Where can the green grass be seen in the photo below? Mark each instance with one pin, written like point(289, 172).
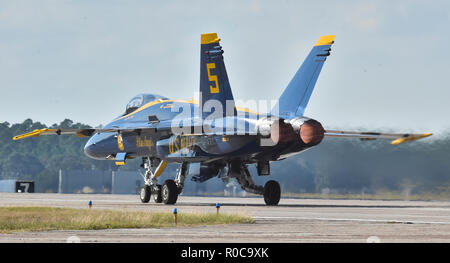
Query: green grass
point(18, 219)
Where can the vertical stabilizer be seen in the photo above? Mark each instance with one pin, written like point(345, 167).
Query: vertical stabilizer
point(215, 90)
point(295, 97)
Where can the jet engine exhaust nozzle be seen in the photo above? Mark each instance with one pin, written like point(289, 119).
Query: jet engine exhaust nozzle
point(309, 132)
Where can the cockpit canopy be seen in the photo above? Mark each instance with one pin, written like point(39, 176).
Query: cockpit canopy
point(141, 99)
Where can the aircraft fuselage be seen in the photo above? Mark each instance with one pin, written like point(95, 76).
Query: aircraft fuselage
point(243, 141)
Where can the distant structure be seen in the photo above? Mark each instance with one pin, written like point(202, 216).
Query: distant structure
point(99, 182)
point(17, 186)
point(123, 182)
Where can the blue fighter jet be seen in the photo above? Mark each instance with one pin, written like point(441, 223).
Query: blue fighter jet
point(213, 137)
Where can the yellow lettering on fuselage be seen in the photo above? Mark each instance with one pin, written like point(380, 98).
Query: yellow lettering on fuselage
point(144, 142)
point(182, 144)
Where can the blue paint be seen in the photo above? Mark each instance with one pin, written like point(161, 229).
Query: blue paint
point(295, 97)
point(214, 84)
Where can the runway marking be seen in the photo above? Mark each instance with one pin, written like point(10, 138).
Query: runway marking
point(350, 219)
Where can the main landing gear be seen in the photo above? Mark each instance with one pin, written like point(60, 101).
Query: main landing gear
point(271, 190)
point(166, 193)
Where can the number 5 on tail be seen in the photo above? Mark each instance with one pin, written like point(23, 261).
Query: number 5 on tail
point(215, 89)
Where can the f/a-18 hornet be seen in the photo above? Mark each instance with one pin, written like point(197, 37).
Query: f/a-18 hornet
point(212, 135)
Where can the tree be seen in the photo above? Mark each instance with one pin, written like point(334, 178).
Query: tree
point(23, 166)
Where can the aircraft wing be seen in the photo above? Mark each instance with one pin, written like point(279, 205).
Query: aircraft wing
point(78, 132)
point(163, 126)
point(48, 131)
point(397, 138)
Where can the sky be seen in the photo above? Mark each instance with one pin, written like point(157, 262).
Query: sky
point(84, 60)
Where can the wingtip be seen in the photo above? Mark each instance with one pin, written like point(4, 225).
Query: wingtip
point(410, 138)
point(34, 133)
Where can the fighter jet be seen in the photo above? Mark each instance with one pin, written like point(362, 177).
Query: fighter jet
point(211, 136)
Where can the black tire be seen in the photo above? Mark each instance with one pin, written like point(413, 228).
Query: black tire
point(145, 194)
point(272, 192)
point(169, 192)
point(157, 195)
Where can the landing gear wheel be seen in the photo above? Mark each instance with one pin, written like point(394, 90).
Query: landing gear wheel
point(145, 194)
point(272, 193)
point(157, 195)
point(169, 192)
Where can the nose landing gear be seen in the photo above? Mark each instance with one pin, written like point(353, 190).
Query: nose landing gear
point(151, 186)
point(145, 194)
point(166, 193)
point(169, 192)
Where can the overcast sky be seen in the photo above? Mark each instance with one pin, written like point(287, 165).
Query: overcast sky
point(84, 60)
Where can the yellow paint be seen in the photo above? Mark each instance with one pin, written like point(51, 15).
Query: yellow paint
point(159, 101)
point(182, 144)
point(325, 40)
point(167, 106)
point(34, 133)
point(410, 138)
point(161, 168)
point(246, 110)
point(172, 143)
point(214, 78)
point(155, 102)
point(209, 38)
point(144, 142)
point(80, 135)
point(120, 142)
point(120, 163)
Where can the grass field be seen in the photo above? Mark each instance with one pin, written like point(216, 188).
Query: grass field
point(17, 219)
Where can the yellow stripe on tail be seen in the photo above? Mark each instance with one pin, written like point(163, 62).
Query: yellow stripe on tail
point(209, 38)
point(325, 40)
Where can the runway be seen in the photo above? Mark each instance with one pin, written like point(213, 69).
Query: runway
point(293, 220)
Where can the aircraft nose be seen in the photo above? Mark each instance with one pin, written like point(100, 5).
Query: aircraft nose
point(89, 149)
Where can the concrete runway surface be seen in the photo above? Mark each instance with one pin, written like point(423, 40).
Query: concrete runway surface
point(293, 220)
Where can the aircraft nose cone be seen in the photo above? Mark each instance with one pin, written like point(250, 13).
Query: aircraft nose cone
point(89, 150)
